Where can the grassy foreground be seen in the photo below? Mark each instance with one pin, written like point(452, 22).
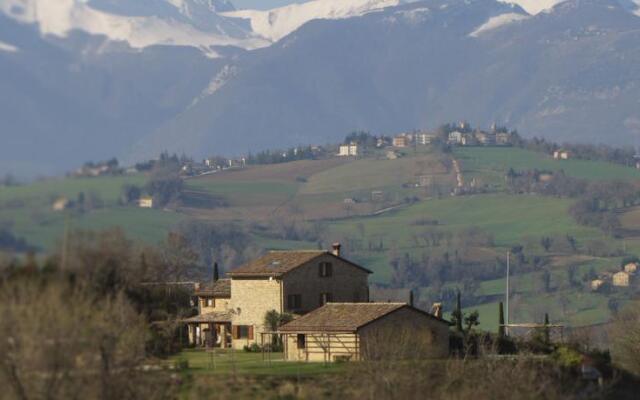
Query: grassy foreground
point(230, 362)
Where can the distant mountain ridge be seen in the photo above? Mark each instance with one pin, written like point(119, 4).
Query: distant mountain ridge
point(92, 79)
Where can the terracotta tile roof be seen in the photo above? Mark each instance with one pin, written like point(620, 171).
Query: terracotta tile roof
point(276, 263)
point(341, 317)
point(220, 289)
point(216, 316)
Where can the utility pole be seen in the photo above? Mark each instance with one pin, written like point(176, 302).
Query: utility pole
point(65, 242)
point(507, 293)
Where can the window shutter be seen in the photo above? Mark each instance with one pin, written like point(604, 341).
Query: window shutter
point(250, 332)
point(234, 332)
point(329, 269)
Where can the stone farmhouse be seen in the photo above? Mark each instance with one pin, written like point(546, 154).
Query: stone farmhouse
point(355, 331)
point(328, 297)
point(232, 311)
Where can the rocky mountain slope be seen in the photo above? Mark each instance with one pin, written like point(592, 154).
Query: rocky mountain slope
point(92, 79)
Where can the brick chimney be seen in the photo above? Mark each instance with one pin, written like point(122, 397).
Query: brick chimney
point(336, 249)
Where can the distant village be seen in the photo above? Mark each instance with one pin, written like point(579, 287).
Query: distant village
point(357, 145)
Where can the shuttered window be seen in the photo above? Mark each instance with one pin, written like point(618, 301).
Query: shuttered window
point(294, 302)
point(325, 269)
point(242, 332)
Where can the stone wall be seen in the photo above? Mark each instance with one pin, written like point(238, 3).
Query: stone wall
point(347, 284)
point(405, 333)
point(252, 298)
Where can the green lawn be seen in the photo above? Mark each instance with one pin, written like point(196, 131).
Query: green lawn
point(227, 362)
point(489, 165)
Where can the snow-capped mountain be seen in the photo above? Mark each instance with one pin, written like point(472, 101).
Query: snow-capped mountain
point(278, 23)
point(139, 23)
point(534, 7)
point(91, 79)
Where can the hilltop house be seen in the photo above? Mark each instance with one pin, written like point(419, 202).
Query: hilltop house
point(60, 204)
point(485, 138)
point(631, 268)
point(455, 137)
point(561, 155)
point(503, 138)
point(348, 150)
point(425, 138)
point(232, 311)
point(401, 141)
point(145, 202)
point(621, 279)
point(356, 331)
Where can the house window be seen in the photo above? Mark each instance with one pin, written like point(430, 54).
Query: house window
point(294, 301)
point(211, 303)
point(325, 269)
point(301, 341)
point(243, 332)
point(325, 298)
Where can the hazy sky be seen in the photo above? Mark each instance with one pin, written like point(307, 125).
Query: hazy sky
point(263, 4)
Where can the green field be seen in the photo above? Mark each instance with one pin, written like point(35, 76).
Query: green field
point(27, 210)
point(510, 218)
point(107, 188)
point(489, 165)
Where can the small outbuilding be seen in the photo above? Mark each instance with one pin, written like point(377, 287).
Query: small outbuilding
point(596, 284)
point(621, 279)
point(364, 331)
point(631, 268)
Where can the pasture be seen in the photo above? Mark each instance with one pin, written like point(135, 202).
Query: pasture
point(490, 164)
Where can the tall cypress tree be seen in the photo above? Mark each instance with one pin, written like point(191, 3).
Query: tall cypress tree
point(458, 313)
point(547, 338)
point(216, 273)
point(501, 327)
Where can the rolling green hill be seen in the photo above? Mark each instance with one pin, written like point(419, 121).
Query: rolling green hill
point(261, 198)
point(489, 165)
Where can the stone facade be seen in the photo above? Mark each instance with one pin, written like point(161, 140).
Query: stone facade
point(287, 282)
point(347, 284)
point(251, 299)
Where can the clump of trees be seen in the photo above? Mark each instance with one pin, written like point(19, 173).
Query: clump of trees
point(596, 202)
point(10, 243)
point(165, 184)
point(61, 341)
point(285, 155)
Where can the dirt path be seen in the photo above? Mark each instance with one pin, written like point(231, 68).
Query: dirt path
point(458, 170)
